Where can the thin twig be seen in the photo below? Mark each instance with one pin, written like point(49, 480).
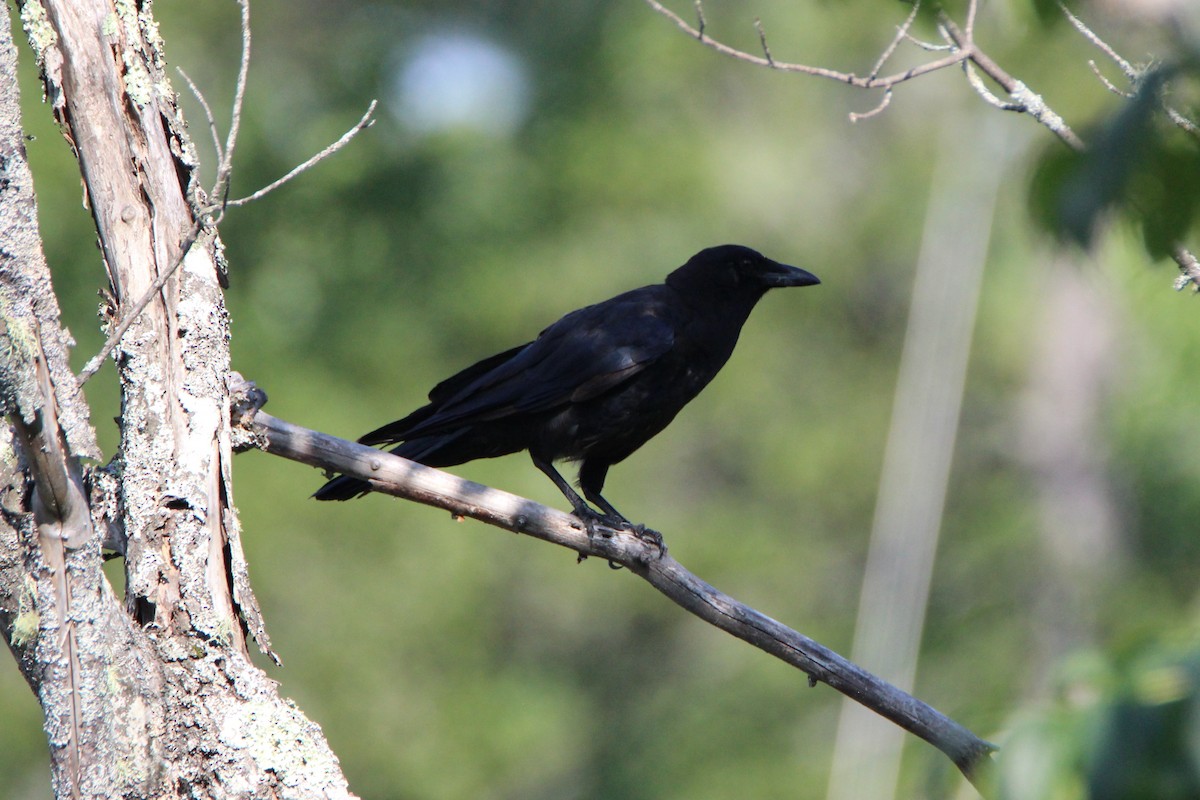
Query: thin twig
point(929, 46)
point(701, 22)
point(1189, 265)
point(820, 72)
point(225, 170)
point(1022, 96)
point(1131, 72)
point(208, 114)
point(963, 49)
point(762, 39)
point(97, 361)
point(212, 214)
point(362, 124)
point(1184, 123)
point(884, 103)
point(901, 33)
point(983, 91)
point(1135, 75)
point(1106, 82)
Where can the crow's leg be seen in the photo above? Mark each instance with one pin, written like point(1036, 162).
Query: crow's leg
point(590, 516)
point(591, 479)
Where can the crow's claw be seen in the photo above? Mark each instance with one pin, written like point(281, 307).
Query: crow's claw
point(649, 536)
point(598, 524)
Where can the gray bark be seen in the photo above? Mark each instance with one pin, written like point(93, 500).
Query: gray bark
point(155, 696)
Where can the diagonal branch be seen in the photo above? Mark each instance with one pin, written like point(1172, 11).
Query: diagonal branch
point(225, 167)
point(870, 82)
point(97, 361)
point(1135, 75)
point(901, 34)
point(1023, 98)
point(363, 123)
point(208, 114)
point(400, 477)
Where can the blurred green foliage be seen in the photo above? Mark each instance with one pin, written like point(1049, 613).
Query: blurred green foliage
point(448, 660)
point(1139, 163)
point(1123, 725)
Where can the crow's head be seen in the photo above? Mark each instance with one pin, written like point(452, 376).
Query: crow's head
point(734, 269)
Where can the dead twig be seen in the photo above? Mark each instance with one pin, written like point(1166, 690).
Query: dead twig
point(855, 116)
point(850, 78)
point(365, 122)
point(901, 34)
point(1106, 82)
point(211, 215)
point(97, 361)
point(1134, 74)
point(1130, 71)
point(208, 114)
point(225, 168)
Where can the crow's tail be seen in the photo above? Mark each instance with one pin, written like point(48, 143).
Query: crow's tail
point(342, 487)
point(425, 450)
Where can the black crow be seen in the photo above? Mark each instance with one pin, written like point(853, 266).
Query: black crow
point(594, 386)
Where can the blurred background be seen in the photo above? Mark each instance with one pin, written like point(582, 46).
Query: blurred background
point(1038, 512)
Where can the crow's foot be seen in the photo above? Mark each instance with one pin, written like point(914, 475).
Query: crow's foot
point(598, 524)
point(649, 536)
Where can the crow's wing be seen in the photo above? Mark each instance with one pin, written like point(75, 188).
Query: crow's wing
point(584, 354)
point(459, 381)
point(398, 431)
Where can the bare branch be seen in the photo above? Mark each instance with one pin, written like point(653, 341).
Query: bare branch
point(1106, 82)
point(819, 72)
point(1033, 105)
point(901, 35)
point(208, 114)
point(1135, 75)
point(1184, 123)
point(983, 91)
point(929, 46)
point(969, 26)
point(883, 103)
point(95, 362)
point(1189, 265)
point(962, 50)
point(225, 168)
point(393, 475)
point(762, 39)
point(1023, 98)
point(365, 122)
point(1131, 72)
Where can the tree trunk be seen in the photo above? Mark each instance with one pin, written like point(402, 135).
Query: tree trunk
point(155, 696)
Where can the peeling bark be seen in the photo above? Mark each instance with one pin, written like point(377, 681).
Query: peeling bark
point(156, 695)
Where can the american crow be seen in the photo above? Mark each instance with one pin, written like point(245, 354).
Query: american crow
point(594, 386)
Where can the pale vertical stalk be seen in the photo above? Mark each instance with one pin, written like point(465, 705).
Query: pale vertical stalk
point(1074, 360)
point(912, 491)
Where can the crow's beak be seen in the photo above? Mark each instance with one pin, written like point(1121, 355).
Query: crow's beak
point(778, 275)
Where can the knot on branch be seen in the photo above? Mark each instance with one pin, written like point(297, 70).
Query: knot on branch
point(245, 400)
